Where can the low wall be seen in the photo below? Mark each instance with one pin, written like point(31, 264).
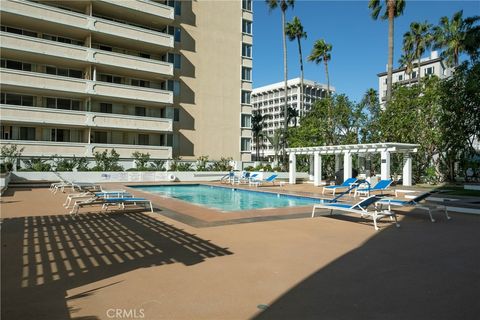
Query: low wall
point(135, 176)
point(4, 180)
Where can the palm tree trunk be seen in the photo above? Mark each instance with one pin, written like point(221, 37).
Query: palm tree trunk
point(257, 151)
point(391, 16)
point(326, 76)
point(419, 75)
point(285, 78)
point(301, 77)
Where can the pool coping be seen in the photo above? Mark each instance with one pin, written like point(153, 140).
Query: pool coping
point(201, 217)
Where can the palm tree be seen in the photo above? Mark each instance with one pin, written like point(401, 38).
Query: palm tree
point(276, 141)
point(321, 52)
point(294, 31)
point(257, 130)
point(406, 60)
point(292, 114)
point(450, 35)
point(394, 8)
point(416, 41)
point(283, 4)
point(472, 38)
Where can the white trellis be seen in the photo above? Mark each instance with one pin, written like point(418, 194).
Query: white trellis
point(385, 149)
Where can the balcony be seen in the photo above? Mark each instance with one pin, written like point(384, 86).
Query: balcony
point(51, 17)
point(70, 149)
point(47, 50)
point(145, 7)
point(71, 118)
point(40, 82)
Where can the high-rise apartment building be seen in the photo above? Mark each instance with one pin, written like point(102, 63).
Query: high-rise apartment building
point(432, 65)
point(171, 78)
point(269, 101)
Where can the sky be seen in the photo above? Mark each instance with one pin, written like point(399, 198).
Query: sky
point(360, 44)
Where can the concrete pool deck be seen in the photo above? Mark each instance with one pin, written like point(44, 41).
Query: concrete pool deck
point(55, 266)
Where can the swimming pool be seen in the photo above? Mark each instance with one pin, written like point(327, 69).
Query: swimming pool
point(228, 199)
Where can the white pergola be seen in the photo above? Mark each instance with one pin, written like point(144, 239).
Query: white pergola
point(385, 149)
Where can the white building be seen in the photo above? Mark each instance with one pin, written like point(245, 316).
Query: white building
point(269, 100)
point(432, 65)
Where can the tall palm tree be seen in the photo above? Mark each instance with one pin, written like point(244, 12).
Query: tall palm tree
point(450, 36)
point(292, 115)
point(416, 41)
point(394, 8)
point(283, 5)
point(321, 52)
point(257, 130)
point(294, 31)
point(406, 60)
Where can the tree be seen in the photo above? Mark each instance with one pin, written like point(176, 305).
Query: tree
point(472, 38)
point(276, 142)
point(369, 129)
point(416, 41)
point(294, 31)
point(10, 154)
point(292, 115)
point(257, 131)
point(452, 36)
point(394, 8)
point(406, 60)
point(141, 160)
point(283, 5)
point(321, 53)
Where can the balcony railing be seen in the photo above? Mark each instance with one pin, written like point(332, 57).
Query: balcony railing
point(77, 20)
point(72, 118)
point(39, 81)
point(77, 149)
point(42, 47)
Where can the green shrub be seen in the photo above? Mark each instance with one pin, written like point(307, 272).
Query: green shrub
point(202, 163)
point(222, 165)
point(157, 165)
point(37, 164)
point(249, 168)
point(107, 162)
point(141, 160)
point(10, 153)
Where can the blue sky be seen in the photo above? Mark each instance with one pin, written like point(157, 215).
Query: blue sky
point(359, 42)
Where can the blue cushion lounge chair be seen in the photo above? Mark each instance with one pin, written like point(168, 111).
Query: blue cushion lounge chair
point(271, 179)
point(358, 208)
point(381, 186)
point(89, 194)
point(346, 184)
point(411, 203)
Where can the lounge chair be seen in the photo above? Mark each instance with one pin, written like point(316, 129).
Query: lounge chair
point(346, 184)
point(411, 203)
point(258, 182)
point(89, 194)
point(381, 186)
point(359, 208)
point(105, 202)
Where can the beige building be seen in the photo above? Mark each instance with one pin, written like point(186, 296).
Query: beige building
point(171, 78)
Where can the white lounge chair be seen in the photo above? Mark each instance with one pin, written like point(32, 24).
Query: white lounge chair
point(359, 208)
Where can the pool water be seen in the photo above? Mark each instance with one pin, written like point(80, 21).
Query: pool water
point(228, 199)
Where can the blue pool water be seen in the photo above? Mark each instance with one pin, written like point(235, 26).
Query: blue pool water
point(228, 199)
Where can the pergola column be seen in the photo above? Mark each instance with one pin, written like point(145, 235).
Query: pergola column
point(317, 176)
point(385, 165)
point(311, 172)
point(407, 170)
point(347, 165)
point(292, 168)
point(337, 163)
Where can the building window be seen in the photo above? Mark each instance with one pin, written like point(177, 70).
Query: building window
point(27, 133)
point(143, 139)
point(400, 77)
point(246, 74)
point(247, 26)
point(110, 78)
point(64, 72)
point(176, 115)
point(176, 5)
point(246, 96)
point(140, 83)
point(175, 32)
point(17, 99)
point(246, 50)
point(17, 65)
point(246, 121)
point(64, 40)
point(65, 104)
point(106, 107)
point(247, 5)
point(60, 135)
point(99, 137)
point(175, 59)
point(144, 55)
point(429, 70)
point(173, 85)
point(140, 111)
point(414, 74)
point(245, 144)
